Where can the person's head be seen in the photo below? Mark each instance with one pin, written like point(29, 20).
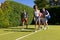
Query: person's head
point(35, 7)
point(43, 9)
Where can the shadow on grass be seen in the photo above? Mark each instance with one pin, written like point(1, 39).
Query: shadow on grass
point(19, 30)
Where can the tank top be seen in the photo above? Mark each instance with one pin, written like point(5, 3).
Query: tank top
point(24, 15)
point(36, 13)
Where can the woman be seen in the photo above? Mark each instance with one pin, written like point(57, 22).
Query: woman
point(36, 17)
point(45, 20)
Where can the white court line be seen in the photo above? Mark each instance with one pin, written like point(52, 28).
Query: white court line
point(6, 33)
point(27, 35)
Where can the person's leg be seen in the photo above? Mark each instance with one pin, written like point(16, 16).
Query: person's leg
point(35, 26)
point(26, 23)
point(44, 26)
point(23, 24)
point(44, 23)
point(47, 24)
point(36, 20)
point(39, 26)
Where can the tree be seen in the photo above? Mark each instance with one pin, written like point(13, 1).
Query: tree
point(54, 2)
point(41, 3)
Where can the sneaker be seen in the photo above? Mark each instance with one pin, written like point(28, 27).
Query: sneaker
point(22, 29)
point(45, 28)
point(35, 31)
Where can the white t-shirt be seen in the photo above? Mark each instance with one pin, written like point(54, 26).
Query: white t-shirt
point(36, 13)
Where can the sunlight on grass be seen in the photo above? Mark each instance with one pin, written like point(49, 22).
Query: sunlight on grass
point(53, 33)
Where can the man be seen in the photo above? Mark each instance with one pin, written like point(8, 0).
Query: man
point(24, 18)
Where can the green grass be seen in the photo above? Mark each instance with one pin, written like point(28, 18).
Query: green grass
point(53, 33)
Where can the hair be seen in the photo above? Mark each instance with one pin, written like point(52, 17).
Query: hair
point(34, 6)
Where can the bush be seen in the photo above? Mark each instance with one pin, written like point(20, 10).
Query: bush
point(10, 14)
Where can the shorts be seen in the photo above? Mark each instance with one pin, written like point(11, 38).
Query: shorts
point(37, 19)
point(24, 20)
point(43, 20)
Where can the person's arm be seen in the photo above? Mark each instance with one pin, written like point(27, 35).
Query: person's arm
point(47, 13)
point(26, 16)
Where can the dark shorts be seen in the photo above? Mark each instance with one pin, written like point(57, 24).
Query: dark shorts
point(24, 20)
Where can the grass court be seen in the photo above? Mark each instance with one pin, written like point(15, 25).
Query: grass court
point(15, 33)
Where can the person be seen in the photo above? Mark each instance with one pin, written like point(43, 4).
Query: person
point(36, 17)
point(24, 17)
point(46, 16)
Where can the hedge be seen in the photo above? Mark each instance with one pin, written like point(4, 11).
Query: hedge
point(10, 14)
point(55, 15)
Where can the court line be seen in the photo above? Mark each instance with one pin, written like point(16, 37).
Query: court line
point(6, 33)
point(27, 35)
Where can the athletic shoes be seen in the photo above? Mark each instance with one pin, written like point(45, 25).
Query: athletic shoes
point(22, 29)
point(44, 28)
point(35, 31)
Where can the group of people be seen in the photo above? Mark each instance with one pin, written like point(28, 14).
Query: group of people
point(39, 18)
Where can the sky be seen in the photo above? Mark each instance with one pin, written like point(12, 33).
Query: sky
point(26, 2)
point(1, 1)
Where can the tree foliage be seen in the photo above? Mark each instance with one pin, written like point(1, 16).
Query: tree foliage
point(41, 3)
